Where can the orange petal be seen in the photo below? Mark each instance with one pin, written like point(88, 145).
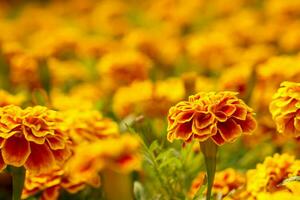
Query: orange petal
point(15, 151)
point(184, 117)
point(229, 130)
point(221, 116)
point(41, 159)
point(51, 193)
point(240, 113)
point(201, 121)
point(55, 142)
point(248, 125)
point(228, 109)
point(61, 155)
point(184, 131)
point(218, 139)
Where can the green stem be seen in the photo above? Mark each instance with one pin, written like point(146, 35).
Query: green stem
point(209, 150)
point(18, 178)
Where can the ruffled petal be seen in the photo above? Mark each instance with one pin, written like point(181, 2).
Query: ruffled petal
point(229, 130)
point(41, 159)
point(16, 151)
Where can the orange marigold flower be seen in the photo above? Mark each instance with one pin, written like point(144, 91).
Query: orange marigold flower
point(51, 183)
point(285, 108)
point(91, 158)
point(88, 126)
point(221, 116)
point(269, 175)
point(122, 68)
point(31, 138)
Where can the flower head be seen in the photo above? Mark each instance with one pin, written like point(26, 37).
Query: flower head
point(269, 175)
point(220, 116)
point(88, 126)
point(91, 158)
point(285, 108)
point(31, 138)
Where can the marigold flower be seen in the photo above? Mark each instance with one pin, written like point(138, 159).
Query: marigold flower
point(220, 116)
point(31, 138)
point(20, 66)
point(269, 175)
point(88, 126)
point(212, 51)
point(285, 108)
point(146, 97)
point(51, 183)
point(122, 68)
point(9, 99)
point(91, 158)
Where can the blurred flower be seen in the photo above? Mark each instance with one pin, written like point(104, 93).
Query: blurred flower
point(268, 176)
point(285, 108)
point(212, 51)
point(91, 158)
point(151, 99)
point(269, 76)
point(220, 116)
point(236, 79)
point(20, 66)
point(63, 71)
point(123, 67)
point(88, 126)
point(9, 99)
point(61, 101)
point(225, 182)
point(31, 138)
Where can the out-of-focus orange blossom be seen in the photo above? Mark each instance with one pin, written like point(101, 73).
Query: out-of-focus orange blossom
point(93, 92)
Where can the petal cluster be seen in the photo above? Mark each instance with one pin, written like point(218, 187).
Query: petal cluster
point(285, 109)
point(220, 116)
point(90, 159)
point(31, 138)
point(268, 176)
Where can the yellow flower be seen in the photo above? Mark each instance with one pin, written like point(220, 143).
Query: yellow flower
point(124, 67)
point(285, 108)
point(268, 176)
point(220, 116)
point(212, 51)
point(225, 181)
point(20, 66)
point(91, 158)
point(31, 138)
point(280, 195)
point(9, 99)
point(51, 183)
point(146, 97)
point(88, 126)
point(63, 71)
point(236, 78)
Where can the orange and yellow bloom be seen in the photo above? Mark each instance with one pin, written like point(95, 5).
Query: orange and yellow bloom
point(285, 109)
point(220, 116)
point(31, 138)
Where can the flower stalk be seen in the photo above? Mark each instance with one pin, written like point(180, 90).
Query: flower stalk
point(209, 150)
point(18, 178)
point(117, 186)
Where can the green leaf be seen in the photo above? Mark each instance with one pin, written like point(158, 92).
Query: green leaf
point(291, 179)
point(138, 190)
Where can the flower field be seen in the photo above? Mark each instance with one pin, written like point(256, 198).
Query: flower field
point(150, 100)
